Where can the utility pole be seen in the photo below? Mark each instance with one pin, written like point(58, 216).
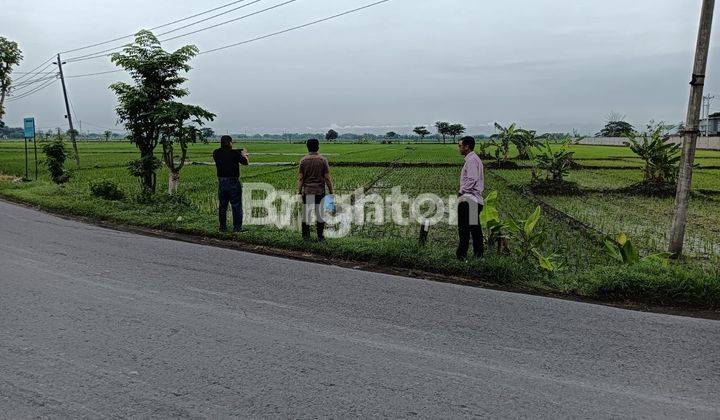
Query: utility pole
point(707, 100)
point(690, 134)
point(69, 115)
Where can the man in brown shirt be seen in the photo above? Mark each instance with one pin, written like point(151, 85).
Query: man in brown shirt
point(313, 179)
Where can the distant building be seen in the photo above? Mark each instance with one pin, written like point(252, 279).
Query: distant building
point(712, 124)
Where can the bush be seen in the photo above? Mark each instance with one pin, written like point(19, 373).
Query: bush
point(106, 189)
point(55, 157)
point(177, 200)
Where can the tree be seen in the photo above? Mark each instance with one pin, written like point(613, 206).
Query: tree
point(391, 135)
point(331, 135)
point(148, 108)
point(455, 130)
point(174, 129)
point(207, 133)
point(421, 131)
point(616, 127)
point(107, 134)
point(442, 129)
point(10, 56)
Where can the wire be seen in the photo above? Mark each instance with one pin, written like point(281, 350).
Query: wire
point(100, 54)
point(295, 27)
point(230, 21)
point(259, 37)
point(32, 92)
point(27, 83)
point(33, 72)
point(93, 74)
point(72, 109)
point(210, 18)
point(154, 28)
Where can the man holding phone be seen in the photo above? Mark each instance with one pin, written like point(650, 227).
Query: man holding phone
point(227, 163)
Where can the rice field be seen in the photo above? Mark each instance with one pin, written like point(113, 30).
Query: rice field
point(416, 169)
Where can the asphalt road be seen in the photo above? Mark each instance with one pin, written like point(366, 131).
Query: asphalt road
point(97, 323)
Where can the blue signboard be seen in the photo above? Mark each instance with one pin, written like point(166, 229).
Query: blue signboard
point(29, 127)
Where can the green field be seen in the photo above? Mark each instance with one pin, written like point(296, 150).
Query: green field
point(572, 229)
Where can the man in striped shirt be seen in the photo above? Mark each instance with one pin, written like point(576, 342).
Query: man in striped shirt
point(472, 184)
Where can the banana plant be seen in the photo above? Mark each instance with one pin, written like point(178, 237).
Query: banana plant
point(530, 241)
point(661, 157)
point(624, 251)
point(492, 223)
point(555, 164)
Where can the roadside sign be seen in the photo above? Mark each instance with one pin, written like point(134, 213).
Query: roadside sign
point(29, 127)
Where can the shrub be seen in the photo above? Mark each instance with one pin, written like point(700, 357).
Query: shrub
point(55, 157)
point(106, 189)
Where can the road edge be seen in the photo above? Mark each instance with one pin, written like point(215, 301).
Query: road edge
point(238, 245)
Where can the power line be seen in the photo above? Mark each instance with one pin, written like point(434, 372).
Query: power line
point(295, 27)
point(315, 22)
point(32, 92)
point(34, 72)
point(27, 83)
point(154, 28)
point(210, 18)
point(93, 74)
point(103, 53)
point(230, 21)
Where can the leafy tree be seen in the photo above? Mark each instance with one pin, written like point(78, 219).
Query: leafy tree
point(616, 127)
point(443, 129)
point(107, 134)
point(10, 56)
point(149, 110)
point(331, 135)
point(179, 125)
point(207, 132)
point(455, 130)
point(661, 157)
point(421, 131)
point(391, 135)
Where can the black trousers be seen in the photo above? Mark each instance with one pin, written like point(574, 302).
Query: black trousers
point(469, 226)
point(310, 203)
point(230, 192)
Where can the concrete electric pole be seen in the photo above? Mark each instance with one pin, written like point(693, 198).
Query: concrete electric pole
point(690, 135)
point(69, 115)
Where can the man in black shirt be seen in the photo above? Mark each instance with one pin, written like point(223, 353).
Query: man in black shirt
point(227, 163)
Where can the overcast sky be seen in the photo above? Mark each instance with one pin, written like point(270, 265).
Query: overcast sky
point(550, 65)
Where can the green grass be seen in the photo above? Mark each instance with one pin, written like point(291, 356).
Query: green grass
point(694, 281)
